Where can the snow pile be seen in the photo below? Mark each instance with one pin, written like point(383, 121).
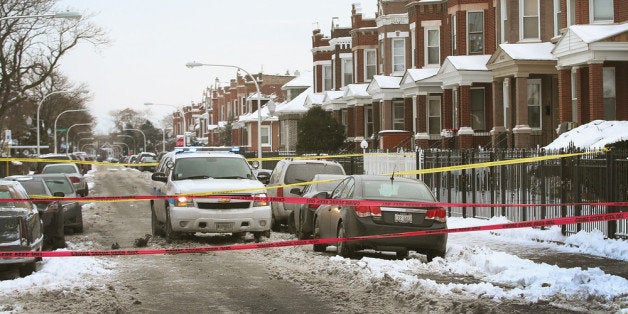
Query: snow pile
point(593, 135)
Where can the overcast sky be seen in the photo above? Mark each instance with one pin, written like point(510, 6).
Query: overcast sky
point(152, 40)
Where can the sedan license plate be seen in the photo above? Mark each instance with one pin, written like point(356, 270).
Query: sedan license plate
point(224, 226)
point(403, 218)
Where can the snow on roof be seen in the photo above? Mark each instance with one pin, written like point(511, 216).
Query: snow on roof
point(254, 116)
point(591, 32)
point(254, 97)
point(531, 51)
point(304, 80)
point(315, 99)
point(421, 74)
point(469, 63)
point(296, 105)
point(593, 135)
point(387, 81)
point(356, 90)
point(332, 95)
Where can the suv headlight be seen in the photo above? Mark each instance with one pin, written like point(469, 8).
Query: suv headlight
point(183, 201)
point(260, 202)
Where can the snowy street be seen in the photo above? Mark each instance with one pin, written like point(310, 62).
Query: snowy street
point(518, 270)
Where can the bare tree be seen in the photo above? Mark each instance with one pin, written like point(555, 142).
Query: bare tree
point(32, 47)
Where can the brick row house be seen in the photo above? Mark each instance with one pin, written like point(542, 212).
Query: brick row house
point(446, 74)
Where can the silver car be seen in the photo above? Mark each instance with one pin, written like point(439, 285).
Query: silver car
point(80, 185)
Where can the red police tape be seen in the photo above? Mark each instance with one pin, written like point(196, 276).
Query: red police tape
point(533, 223)
point(301, 200)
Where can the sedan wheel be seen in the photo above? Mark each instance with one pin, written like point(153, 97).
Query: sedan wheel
point(27, 269)
point(343, 248)
point(318, 247)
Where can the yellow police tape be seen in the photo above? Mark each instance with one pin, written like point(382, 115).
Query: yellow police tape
point(409, 172)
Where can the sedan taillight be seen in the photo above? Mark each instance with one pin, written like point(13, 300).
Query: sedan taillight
point(437, 214)
point(74, 179)
point(368, 211)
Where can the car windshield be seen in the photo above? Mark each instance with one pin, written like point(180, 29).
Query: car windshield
point(305, 172)
point(211, 167)
point(33, 187)
point(396, 190)
point(59, 185)
point(60, 169)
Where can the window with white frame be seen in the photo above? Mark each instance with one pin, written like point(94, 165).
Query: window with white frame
point(327, 77)
point(529, 19)
point(478, 112)
point(571, 12)
point(399, 54)
point(222, 113)
point(454, 35)
point(534, 103)
point(504, 20)
point(398, 114)
point(370, 64)
point(347, 71)
point(432, 46)
point(601, 11)
point(369, 126)
point(433, 115)
point(475, 28)
point(344, 120)
point(266, 139)
point(243, 102)
point(574, 96)
point(557, 17)
point(381, 56)
point(454, 109)
point(235, 108)
point(609, 92)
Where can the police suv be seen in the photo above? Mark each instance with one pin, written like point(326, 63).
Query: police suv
point(201, 173)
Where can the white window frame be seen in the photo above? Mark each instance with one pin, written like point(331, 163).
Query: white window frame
point(266, 131)
point(592, 19)
point(327, 70)
point(454, 35)
point(432, 115)
point(398, 52)
point(574, 95)
point(522, 18)
point(366, 64)
point(609, 83)
point(235, 108)
point(369, 119)
point(469, 33)
point(413, 47)
point(454, 108)
point(571, 12)
point(504, 20)
point(395, 119)
point(557, 17)
point(344, 72)
point(538, 83)
point(427, 46)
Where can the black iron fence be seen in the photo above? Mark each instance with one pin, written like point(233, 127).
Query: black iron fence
point(567, 182)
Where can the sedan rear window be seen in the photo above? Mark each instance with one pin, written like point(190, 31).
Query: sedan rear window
point(60, 169)
point(59, 185)
point(396, 190)
point(306, 172)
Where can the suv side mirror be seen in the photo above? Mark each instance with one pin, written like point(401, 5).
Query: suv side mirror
point(159, 176)
point(296, 191)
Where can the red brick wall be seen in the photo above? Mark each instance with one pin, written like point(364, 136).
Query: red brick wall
point(464, 113)
point(582, 80)
point(359, 121)
point(621, 11)
point(407, 118)
point(596, 92)
point(564, 95)
point(447, 109)
point(421, 114)
point(351, 122)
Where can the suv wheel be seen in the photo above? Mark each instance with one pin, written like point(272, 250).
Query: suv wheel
point(154, 224)
point(274, 225)
point(27, 269)
point(168, 233)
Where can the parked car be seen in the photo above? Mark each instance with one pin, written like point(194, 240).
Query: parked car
point(20, 228)
point(39, 166)
point(73, 171)
point(60, 185)
point(343, 221)
point(187, 172)
point(288, 171)
point(147, 160)
point(302, 216)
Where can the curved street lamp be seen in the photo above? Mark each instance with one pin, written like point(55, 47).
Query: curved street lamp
point(182, 117)
point(134, 145)
point(41, 102)
point(259, 98)
point(78, 143)
point(57, 119)
point(70, 128)
point(121, 143)
point(144, 135)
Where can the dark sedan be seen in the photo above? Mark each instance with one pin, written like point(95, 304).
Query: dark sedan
point(351, 221)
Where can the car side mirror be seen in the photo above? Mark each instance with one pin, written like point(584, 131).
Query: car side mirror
point(58, 194)
point(296, 191)
point(159, 176)
point(322, 195)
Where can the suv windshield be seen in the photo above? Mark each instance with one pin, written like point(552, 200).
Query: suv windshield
point(305, 172)
point(211, 167)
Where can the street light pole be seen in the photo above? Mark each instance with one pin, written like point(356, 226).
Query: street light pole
point(41, 102)
point(144, 135)
point(182, 117)
point(259, 98)
point(121, 143)
point(78, 143)
point(134, 145)
point(57, 119)
point(70, 128)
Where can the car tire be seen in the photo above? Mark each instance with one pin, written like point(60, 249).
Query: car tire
point(155, 229)
point(239, 235)
point(169, 235)
point(344, 249)
point(274, 225)
point(318, 247)
point(431, 254)
point(291, 224)
point(27, 269)
point(79, 229)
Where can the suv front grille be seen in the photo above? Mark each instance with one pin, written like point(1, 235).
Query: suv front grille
point(230, 205)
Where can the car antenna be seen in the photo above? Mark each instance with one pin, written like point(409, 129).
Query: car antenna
point(392, 177)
